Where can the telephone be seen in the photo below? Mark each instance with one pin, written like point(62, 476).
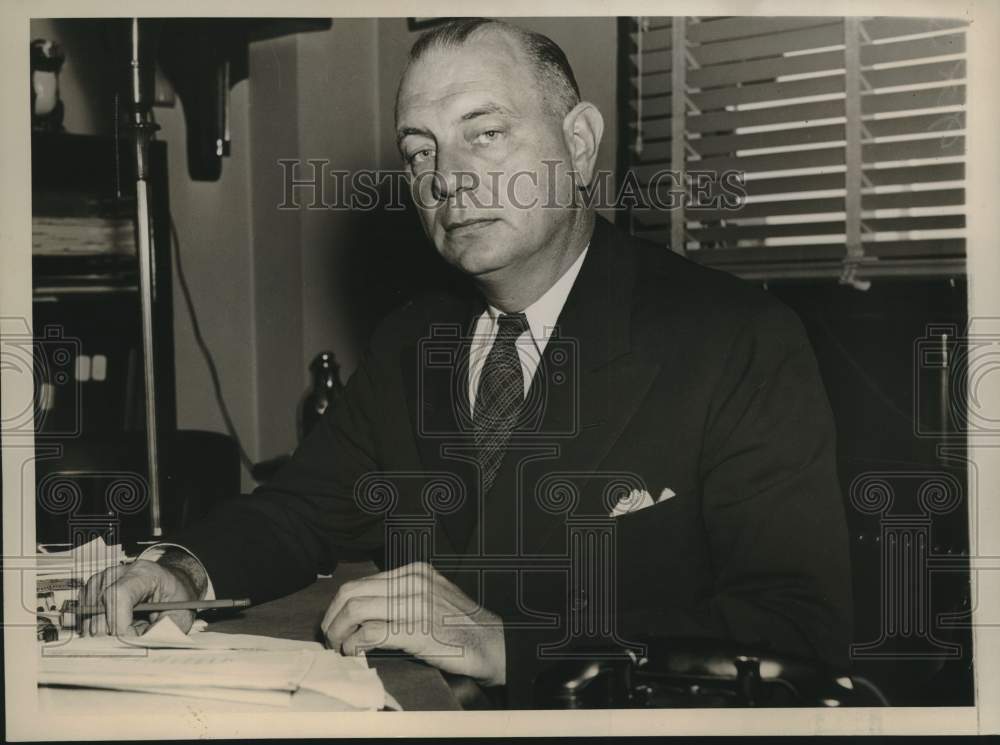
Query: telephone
point(697, 673)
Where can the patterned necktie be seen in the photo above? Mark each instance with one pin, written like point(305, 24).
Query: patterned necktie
point(499, 397)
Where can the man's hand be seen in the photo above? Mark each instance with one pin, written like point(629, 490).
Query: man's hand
point(417, 610)
point(117, 590)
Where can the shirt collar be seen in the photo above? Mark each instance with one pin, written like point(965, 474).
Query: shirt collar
point(544, 312)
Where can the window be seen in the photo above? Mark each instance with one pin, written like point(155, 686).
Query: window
point(821, 146)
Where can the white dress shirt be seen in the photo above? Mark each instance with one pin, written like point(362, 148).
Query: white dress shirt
point(542, 316)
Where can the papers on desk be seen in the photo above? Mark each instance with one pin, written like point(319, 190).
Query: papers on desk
point(62, 571)
point(236, 667)
point(81, 561)
point(164, 634)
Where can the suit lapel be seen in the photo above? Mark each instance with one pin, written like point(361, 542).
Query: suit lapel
point(435, 376)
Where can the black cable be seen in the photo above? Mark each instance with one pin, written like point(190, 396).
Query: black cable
point(200, 340)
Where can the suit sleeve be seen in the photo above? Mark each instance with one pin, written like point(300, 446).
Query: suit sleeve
point(275, 541)
point(771, 499)
point(771, 505)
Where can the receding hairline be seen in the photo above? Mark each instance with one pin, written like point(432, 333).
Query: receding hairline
point(546, 79)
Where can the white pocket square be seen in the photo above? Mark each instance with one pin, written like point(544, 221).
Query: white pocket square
point(638, 499)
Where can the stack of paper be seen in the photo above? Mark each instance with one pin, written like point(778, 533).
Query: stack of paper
point(81, 561)
point(237, 667)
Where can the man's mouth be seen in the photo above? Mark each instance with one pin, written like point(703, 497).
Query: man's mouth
point(463, 225)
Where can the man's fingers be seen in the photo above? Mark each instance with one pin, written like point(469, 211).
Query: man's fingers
point(355, 588)
point(90, 598)
point(402, 595)
point(419, 568)
point(368, 636)
point(356, 610)
point(409, 579)
point(402, 613)
point(413, 575)
point(120, 597)
point(419, 577)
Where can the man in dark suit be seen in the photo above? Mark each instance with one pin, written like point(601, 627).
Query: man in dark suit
point(604, 442)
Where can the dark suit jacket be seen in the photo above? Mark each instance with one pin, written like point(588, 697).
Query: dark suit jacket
point(664, 375)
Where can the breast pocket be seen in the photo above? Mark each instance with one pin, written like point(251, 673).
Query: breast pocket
point(662, 548)
point(657, 511)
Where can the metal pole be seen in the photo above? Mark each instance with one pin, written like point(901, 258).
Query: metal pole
point(143, 131)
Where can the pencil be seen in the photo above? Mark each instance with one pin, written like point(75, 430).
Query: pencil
point(193, 605)
point(177, 605)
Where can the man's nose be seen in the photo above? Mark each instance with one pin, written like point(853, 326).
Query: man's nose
point(453, 176)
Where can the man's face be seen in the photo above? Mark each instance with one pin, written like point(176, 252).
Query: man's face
point(475, 134)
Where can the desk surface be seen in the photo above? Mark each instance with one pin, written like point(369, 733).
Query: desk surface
point(415, 685)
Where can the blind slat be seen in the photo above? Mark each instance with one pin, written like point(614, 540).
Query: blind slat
point(907, 199)
point(883, 103)
point(889, 27)
point(722, 121)
point(759, 254)
point(761, 92)
point(898, 51)
point(827, 156)
point(906, 125)
point(764, 69)
point(915, 174)
point(785, 207)
point(924, 174)
point(658, 61)
point(734, 233)
point(653, 39)
point(654, 108)
point(793, 184)
point(709, 29)
point(921, 222)
point(796, 136)
point(657, 151)
point(931, 72)
point(771, 209)
point(931, 247)
point(657, 84)
point(770, 45)
point(933, 147)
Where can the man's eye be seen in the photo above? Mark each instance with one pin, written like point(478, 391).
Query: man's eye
point(420, 156)
point(490, 135)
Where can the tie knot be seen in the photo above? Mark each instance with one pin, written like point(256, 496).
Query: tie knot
point(511, 325)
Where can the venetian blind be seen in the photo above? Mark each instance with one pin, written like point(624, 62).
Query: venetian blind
point(847, 135)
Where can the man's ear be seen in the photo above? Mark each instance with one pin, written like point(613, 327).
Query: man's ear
point(583, 128)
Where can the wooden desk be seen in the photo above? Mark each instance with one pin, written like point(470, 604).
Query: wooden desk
point(415, 685)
